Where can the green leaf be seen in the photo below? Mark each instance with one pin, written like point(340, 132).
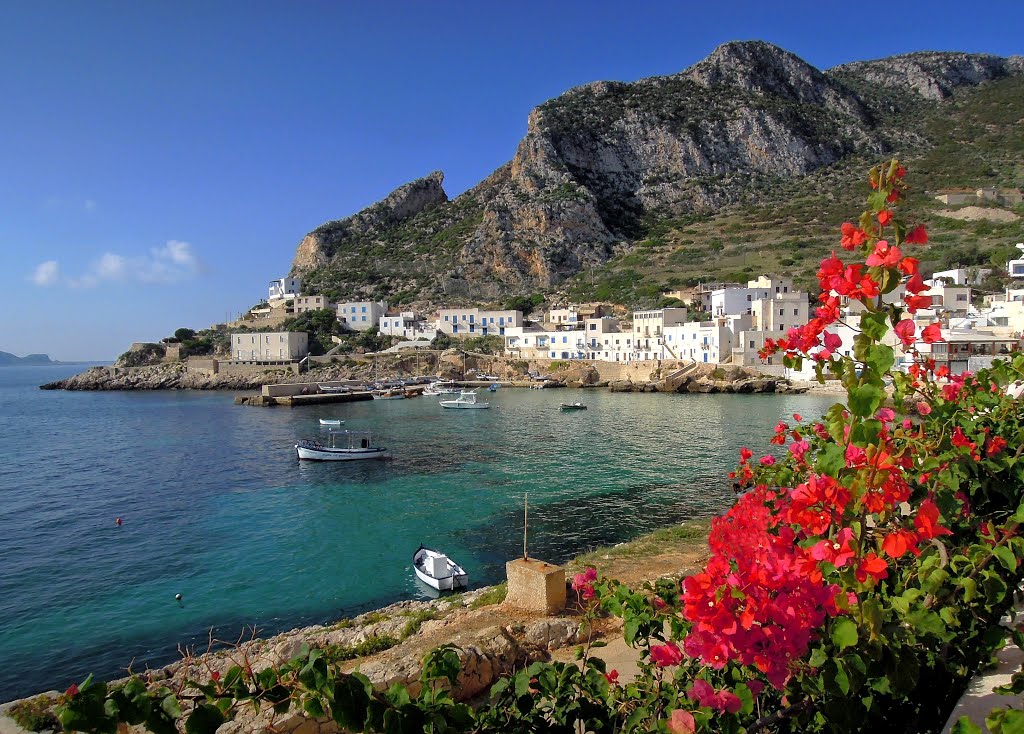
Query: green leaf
point(204, 719)
point(844, 633)
point(818, 657)
point(970, 588)
point(866, 399)
point(1006, 557)
point(830, 460)
point(881, 358)
point(964, 725)
point(873, 325)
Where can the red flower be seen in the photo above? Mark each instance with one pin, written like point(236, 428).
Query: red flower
point(908, 265)
point(853, 237)
point(612, 677)
point(960, 439)
point(923, 408)
point(832, 341)
point(905, 331)
point(884, 255)
point(899, 542)
point(798, 418)
point(664, 655)
point(931, 334)
point(942, 371)
point(874, 566)
point(745, 454)
point(884, 217)
point(767, 460)
point(72, 690)
point(927, 520)
point(917, 302)
point(995, 445)
point(917, 236)
point(215, 675)
point(900, 172)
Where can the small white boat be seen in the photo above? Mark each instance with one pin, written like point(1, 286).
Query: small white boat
point(343, 446)
point(331, 422)
point(441, 388)
point(572, 406)
point(388, 395)
point(334, 388)
point(466, 400)
point(438, 570)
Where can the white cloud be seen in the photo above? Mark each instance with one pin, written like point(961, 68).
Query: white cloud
point(46, 273)
point(172, 262)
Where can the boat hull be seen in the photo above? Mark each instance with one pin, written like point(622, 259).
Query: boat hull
point(454, 405)
point(328, 454)
point(458, 578)
point(331, 422)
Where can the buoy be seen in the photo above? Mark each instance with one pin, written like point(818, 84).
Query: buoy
point(118, 522)
point(178, 597)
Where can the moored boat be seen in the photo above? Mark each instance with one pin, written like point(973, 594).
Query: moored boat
point(572, 406)
point(331, 422)
point(388, 394)
point(438, 570)
point(466, 400)
point(343, 446)
point(332, 389)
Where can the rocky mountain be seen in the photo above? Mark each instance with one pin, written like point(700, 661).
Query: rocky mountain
point(606, 165)
point(6, 358)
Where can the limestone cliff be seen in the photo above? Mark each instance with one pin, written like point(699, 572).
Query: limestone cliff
point(605, 161)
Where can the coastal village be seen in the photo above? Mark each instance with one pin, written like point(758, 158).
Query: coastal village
point(715, 323)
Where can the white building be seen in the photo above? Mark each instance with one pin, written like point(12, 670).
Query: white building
point(963, 276)
point(287, 287)
point(474, 322)
point(1016, 267)
point(648, 328)
point(954, 299)
point(608, 339)
point(408, 325)
point(361, 315)
point(736, 301)
point(281, 346)
point(703, 341)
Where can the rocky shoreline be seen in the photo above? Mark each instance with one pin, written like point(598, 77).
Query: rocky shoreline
point(694, 378)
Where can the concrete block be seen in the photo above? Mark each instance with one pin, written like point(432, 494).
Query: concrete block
point(535, 586)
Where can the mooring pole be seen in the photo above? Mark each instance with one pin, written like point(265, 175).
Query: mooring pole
point(526, 517)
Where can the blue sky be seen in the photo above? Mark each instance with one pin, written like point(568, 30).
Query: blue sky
point(161, 161)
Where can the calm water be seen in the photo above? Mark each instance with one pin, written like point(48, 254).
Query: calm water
point(216, 507)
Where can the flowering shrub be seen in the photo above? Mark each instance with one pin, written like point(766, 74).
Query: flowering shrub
point(858, 581)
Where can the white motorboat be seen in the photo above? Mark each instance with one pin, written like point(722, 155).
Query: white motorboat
point(343, 446)
point(331, 422)
point(467, 399)
point(330, 389)
point(441, 388)
point(438, 570)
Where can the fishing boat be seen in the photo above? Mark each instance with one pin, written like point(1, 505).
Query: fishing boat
point(343, 446)
point(331, 389)
point(467, 399)
point(331, 422)
point(438, 570)
point(572, 406)
point(388, 394)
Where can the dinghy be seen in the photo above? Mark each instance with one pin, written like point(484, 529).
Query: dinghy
point(438, 570)
point(572, 406)
point(466, 399)
point(331, 422)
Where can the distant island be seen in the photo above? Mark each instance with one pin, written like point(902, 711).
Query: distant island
point(7, 359)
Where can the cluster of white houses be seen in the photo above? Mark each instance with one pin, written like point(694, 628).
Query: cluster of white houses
point(737, 319)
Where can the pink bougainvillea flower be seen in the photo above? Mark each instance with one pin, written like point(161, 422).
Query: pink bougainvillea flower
point(215, 676)
point(681, 722)
point(923, 408)
point(899, 542)
point(853, 237)
point(832, 342)
point(884, 217)
point(905, 330)
point(767, 460)
point(884, 255)
point(872, 565)
point(612, 676)
point(667, 654)
point(72, 690)
point(798, 418)
point(745, 454)
point(931, 334)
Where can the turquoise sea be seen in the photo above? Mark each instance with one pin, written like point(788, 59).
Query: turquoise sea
point(216, 507)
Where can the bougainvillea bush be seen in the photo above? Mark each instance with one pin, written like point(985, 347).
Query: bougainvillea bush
point(859, 581)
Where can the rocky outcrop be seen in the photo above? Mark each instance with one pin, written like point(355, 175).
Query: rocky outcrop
point(174, 376)
point(319, 246)
point(932, 76)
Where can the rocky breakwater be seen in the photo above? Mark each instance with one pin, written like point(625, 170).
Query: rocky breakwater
point(386, 646)
point(172, 376)
point(710, 379)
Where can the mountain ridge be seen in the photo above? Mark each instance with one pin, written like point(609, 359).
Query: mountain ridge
point(605, 163)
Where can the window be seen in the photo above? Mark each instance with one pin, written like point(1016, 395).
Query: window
point(364, 311)
point(782, 327)
point(751, 344)
point(446, 317)
point(749, 297)
point(781, 313)
point(364, 318)
point(796, 312)
point(593, 327)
